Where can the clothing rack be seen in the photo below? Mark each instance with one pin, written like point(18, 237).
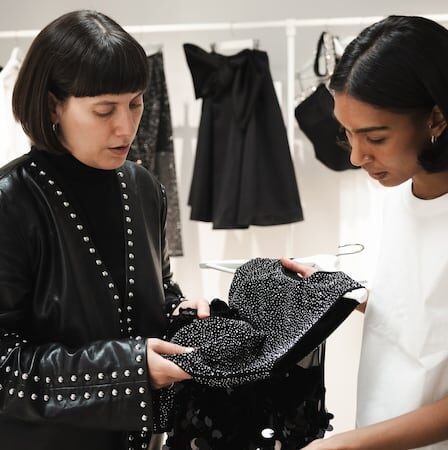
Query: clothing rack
point(289, 25)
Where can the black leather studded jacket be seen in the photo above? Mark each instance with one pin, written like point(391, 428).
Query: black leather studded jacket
point(73, 371)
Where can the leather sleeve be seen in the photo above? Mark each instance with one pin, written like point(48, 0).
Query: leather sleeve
point(103, 385)
point(173, 293)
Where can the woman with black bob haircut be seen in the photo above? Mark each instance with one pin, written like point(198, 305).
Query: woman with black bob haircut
point(81, 54)
point(391, 96)
point(85, 280)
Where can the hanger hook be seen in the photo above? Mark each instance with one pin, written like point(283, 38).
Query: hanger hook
point(360, 248)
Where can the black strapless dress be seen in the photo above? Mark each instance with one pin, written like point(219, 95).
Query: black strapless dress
point(243, 173)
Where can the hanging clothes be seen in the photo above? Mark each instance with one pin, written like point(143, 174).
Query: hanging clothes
point(314, 113)
point(153, 147)
point(315, 118)
point(14, 140)
point(243, 173)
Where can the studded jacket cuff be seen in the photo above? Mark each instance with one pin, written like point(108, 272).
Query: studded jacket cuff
point(103, 385)
point(173, 297)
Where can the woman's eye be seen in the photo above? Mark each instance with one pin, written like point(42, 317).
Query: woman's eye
point(136, 105)
point(376, 140)
point(103, 113)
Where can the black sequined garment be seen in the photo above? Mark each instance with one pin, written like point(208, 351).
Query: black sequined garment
point(153, 147)
point(287, 409)
point(258, 364)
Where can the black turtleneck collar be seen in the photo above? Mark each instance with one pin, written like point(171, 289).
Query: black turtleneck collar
point(72, 167)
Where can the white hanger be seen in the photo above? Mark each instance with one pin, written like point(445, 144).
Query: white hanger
point(327, 262)
point(323, 261)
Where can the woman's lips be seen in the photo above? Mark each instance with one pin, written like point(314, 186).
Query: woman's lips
point(378, 175)
point(120, 150)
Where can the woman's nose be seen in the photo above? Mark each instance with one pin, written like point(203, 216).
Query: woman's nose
point(358, 156)
point(125, 124)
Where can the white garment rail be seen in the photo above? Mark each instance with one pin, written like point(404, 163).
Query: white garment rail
point(289, 25)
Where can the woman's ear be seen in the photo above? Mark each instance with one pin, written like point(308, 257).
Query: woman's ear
point(437, 122)
point(54, 107)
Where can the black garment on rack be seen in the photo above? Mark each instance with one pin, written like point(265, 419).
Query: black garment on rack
point(315, 113)
point(243, 173)
point(153, 147)
point(315, 118)
point(244, 365)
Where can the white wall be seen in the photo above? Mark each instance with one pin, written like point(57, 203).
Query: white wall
point(337, 206)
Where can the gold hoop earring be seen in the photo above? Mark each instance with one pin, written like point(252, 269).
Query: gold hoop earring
point(433, 139)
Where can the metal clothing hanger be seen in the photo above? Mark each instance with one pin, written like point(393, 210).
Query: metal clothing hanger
point(230, 265)
point(357, 248)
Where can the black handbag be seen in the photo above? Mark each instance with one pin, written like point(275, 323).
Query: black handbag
point(315, 118)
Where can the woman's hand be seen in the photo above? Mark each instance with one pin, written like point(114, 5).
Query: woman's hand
point(343, 441)
point(163, 372)
point(200, 304)
point(305, 270)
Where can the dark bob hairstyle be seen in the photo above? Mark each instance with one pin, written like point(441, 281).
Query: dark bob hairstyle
point(80, 54)
point(400, 64)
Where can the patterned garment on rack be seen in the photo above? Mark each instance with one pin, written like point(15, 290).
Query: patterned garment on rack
point(153, 147)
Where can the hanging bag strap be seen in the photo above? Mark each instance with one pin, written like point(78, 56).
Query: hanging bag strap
point(320, 51)
point(326, 50)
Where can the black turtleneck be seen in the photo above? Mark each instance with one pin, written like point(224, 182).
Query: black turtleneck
point(95, 195)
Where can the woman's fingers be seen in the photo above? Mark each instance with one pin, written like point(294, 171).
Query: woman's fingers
point(305, 270)
point(163, 372)
point(166, 348)
point(203, 308)
point(200, 305)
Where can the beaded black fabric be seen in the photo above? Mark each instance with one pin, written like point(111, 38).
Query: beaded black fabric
point(246, 377)
point(277, 318)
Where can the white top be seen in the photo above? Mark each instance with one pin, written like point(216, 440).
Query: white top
point(404, 357)
point(14, 141)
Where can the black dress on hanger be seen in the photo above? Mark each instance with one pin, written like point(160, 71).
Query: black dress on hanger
point(153, 147)
point(243, 172)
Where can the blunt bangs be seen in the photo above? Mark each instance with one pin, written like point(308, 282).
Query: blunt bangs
point(116, 68)
point(97, 58)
